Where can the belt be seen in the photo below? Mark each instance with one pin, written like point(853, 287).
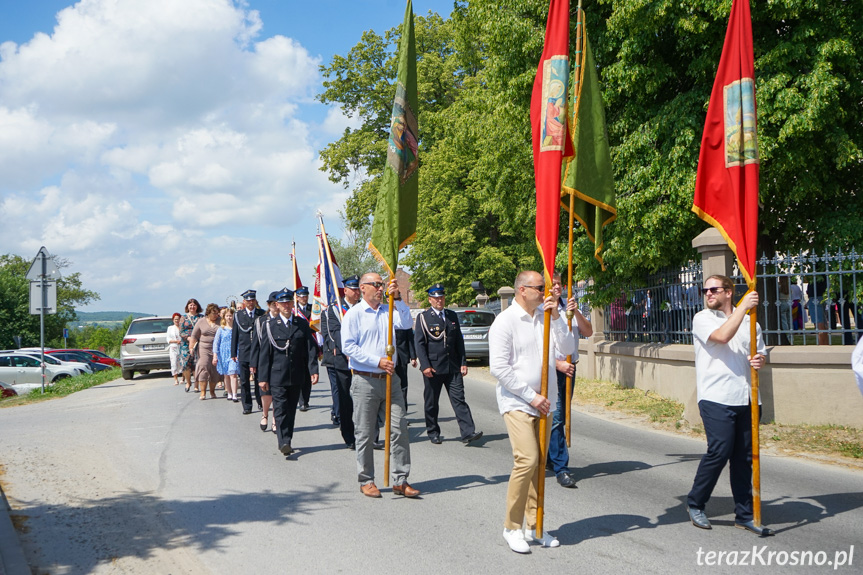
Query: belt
point(381, 375)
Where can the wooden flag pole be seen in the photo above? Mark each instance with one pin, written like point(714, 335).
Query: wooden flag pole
point(569, 315)
point(543, 422)
point(389, 405)
point(579, 52)
point(756, 417)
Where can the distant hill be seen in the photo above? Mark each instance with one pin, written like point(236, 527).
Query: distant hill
point(108, 316)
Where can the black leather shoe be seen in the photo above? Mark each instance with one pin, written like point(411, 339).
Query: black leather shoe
point(752, 528)
point(698, 518)
point(565, 479)
point(436, 439)
point(378, 445)
point(247, 411)
point(352, 446)
point(304, 407)
point(472, 437)
point(286, 449)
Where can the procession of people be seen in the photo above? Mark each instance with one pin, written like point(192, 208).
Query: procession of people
point(275, 355)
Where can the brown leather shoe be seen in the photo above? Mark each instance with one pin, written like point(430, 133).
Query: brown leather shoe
point(406, 490)
point(370, 490)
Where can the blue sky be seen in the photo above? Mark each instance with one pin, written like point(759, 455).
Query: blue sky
point(168, 148)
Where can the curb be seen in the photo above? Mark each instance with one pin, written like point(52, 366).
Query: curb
point(12, 560)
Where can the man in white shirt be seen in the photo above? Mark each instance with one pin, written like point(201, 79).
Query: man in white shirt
point(365, 330)
point(721, 336)
point(558, 453)
point(515, 360)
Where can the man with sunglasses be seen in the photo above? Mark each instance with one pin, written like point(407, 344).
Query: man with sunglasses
point(721, 336)
point(515, 342)
point(365, 336)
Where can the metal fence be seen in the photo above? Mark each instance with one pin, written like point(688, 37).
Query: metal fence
point(810, 299)
point(806, 299)
point(660, 312)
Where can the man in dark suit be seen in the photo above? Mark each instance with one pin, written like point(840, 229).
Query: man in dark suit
point(407, 354)
point(289, 355)
point(304, 310)
point(242, 338)
point(337, 363)
point(440, 350)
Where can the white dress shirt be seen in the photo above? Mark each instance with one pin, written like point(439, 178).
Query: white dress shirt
point(857, 363)
point(722, 370)
point(515, 356)
point(364, 333)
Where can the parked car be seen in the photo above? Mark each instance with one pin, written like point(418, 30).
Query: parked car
point(103, 357)
point(94, 355)
point(22, 369)
point(79, 366)
point(7, 390)
point(475, 323)
point(80, 356)
point(145, 346)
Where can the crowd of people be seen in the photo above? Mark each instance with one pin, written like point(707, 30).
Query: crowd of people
point(270, 358)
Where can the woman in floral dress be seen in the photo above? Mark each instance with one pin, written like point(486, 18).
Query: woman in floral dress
point(187, 324)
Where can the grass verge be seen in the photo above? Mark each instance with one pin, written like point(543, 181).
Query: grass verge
point(830, 440)
point(64, 387)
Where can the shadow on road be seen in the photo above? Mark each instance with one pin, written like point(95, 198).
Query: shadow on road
point(140, 524)
point(458, 483)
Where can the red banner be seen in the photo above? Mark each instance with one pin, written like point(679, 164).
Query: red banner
point(726, 187)
point(551, 138)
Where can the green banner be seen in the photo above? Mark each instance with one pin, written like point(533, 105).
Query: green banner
point(395, 221)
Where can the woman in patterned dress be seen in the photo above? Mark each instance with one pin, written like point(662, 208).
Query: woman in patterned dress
point(187, 324)
point(201, 342)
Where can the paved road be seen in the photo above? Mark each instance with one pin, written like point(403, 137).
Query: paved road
point(139, 477)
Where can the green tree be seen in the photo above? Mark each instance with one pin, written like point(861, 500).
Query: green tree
point(657, 61)
point(15, 317)
point(352, 253)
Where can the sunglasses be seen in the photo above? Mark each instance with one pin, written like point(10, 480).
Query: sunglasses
point(376, 285)
point(540, 288)
point(713, 290)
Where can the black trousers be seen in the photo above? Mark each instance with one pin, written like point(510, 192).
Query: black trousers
point(245, 387)
point(335, 414)
point(729, 439)
point(455, 389)
point(402, 372)
point(342, 377)
point(285, 411)
point(306, 390)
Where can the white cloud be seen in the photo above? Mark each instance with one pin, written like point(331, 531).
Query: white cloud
point(137, 136)
point(336, 121)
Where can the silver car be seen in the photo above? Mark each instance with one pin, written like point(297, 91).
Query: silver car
point(474, 324)
point(145, 346)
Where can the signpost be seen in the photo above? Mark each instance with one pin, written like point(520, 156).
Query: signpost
point(43, 274)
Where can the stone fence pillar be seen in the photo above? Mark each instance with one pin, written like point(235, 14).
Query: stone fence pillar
point(505, 294)
point(716, 256)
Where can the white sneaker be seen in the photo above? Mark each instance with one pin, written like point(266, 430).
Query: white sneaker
point(515, 539)
point(547, 540)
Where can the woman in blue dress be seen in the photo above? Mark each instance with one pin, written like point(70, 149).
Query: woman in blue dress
point(225, 365)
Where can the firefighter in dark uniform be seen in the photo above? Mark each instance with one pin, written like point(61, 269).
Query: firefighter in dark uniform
point(337, 363)
point(242, 338)
point(304, 310)
point(289, 356)
point(440, 350)
point(260, 326)
point(405, 346)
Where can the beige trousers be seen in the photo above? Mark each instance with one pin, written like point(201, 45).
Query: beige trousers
point(521, 499)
